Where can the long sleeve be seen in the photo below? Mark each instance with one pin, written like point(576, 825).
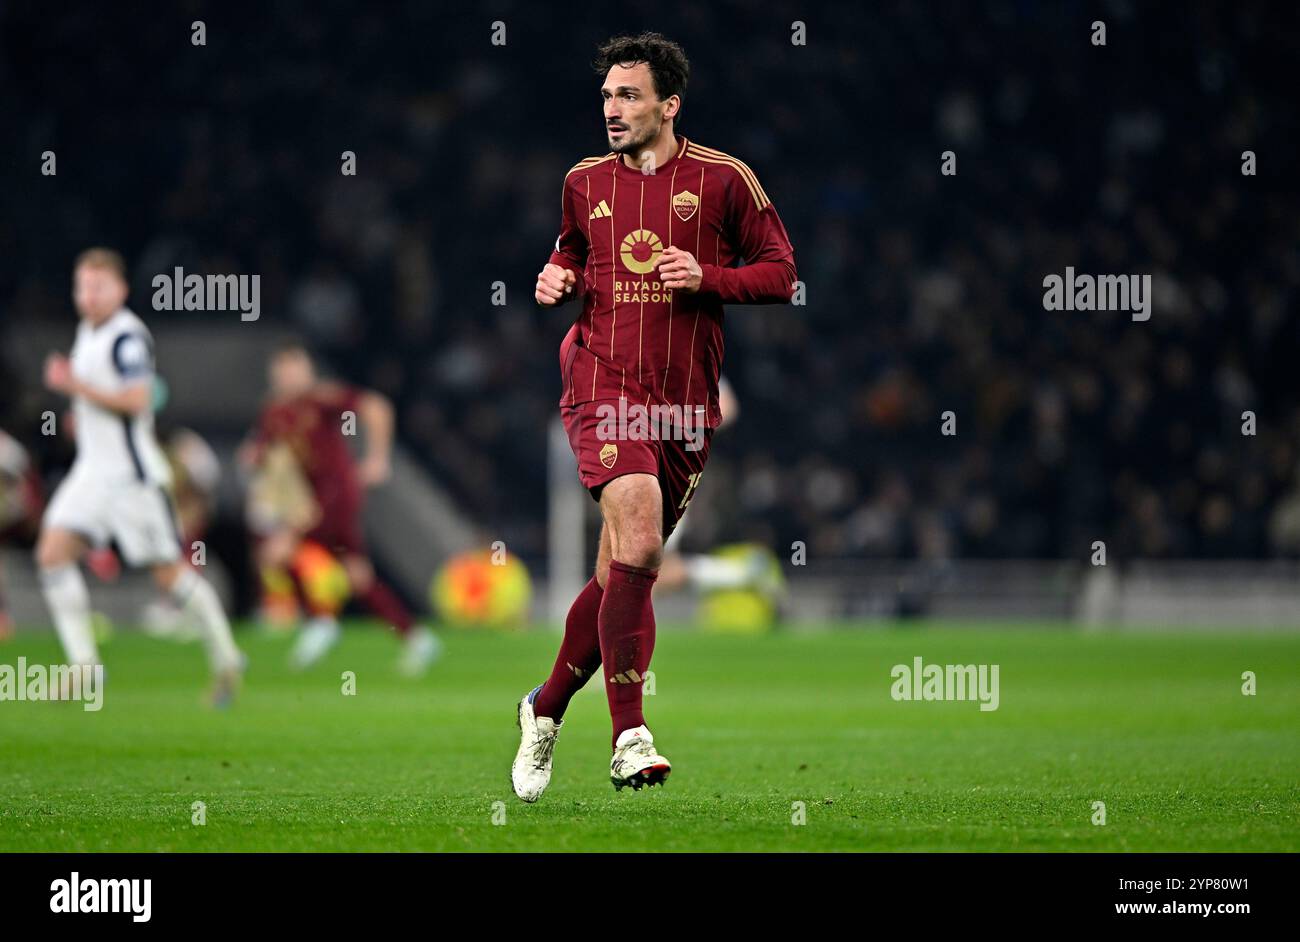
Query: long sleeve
point(571, 246)
point(769, 274)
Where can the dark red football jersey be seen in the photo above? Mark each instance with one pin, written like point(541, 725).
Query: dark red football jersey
point(312, 426)
point(634, 339)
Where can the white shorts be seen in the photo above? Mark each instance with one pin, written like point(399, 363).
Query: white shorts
point(136, 515)
point(674, 542)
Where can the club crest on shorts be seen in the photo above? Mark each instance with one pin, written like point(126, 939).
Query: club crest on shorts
point(685, 204)
point(608, 455)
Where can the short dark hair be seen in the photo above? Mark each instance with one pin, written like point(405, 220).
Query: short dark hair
point(669, 68)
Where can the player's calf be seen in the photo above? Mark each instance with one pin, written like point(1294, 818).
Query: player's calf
point(68, 600)
point(196, 596)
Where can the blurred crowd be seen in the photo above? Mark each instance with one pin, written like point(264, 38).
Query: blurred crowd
point(923, 291)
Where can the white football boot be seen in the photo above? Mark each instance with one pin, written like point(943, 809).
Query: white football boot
point(420, 649)
point(314, 642)
point(636, 762)
point(531, 772)
point(226, 683)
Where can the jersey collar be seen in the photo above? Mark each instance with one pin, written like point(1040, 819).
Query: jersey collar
point(628, 171)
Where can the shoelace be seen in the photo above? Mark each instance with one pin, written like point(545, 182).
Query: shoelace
point(543, 746)
point(636, 746)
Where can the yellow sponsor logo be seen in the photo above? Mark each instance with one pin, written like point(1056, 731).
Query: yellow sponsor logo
point(641, 250)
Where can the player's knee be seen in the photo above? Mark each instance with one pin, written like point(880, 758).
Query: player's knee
point(52, 552)
point(275, 551)
point(165, 575)
point(361, 575)
point(46, 558)
point(643, 548)
point(633, 511)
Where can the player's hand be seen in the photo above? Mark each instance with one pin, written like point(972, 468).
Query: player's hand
point(58, 373)
point(554, 282)
point(679, 270)
point(248, 455)
point(374, 470)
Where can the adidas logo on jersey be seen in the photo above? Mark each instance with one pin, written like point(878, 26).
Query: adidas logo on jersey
point(600, 212)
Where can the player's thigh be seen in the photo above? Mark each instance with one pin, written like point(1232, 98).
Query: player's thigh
point(632, 506)
point(166, 574)
point(75, 519)
point(361, 573)
point(340, 529)
point(619, 470)
point(605, 452)
point(57, 547)
point(603, 549)
point(604, 553)
point(275, 550)
point(143, 524)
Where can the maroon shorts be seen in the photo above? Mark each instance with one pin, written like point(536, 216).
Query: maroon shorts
point(341, 536)
point(339, 529)
point(603, 455)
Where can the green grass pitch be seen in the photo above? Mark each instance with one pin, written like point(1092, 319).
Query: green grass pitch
point(1155, 726)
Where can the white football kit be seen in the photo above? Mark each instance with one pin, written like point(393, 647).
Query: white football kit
point(118, 485)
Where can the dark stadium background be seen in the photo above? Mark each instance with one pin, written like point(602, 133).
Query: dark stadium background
point(1145, 705)
point(924, 292)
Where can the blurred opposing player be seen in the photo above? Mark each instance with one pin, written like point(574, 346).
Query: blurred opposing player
point(650, 238)
point(708, 572)
point(118, 485)
point(309, 416)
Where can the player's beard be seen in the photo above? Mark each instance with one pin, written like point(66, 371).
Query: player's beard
point(632, 143)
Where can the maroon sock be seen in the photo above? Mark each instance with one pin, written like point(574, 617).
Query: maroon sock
point(627, 639)
point(383, 602)
point(579, 655)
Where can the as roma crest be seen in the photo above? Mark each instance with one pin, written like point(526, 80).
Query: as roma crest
point(608, 455)
point(685, 204)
